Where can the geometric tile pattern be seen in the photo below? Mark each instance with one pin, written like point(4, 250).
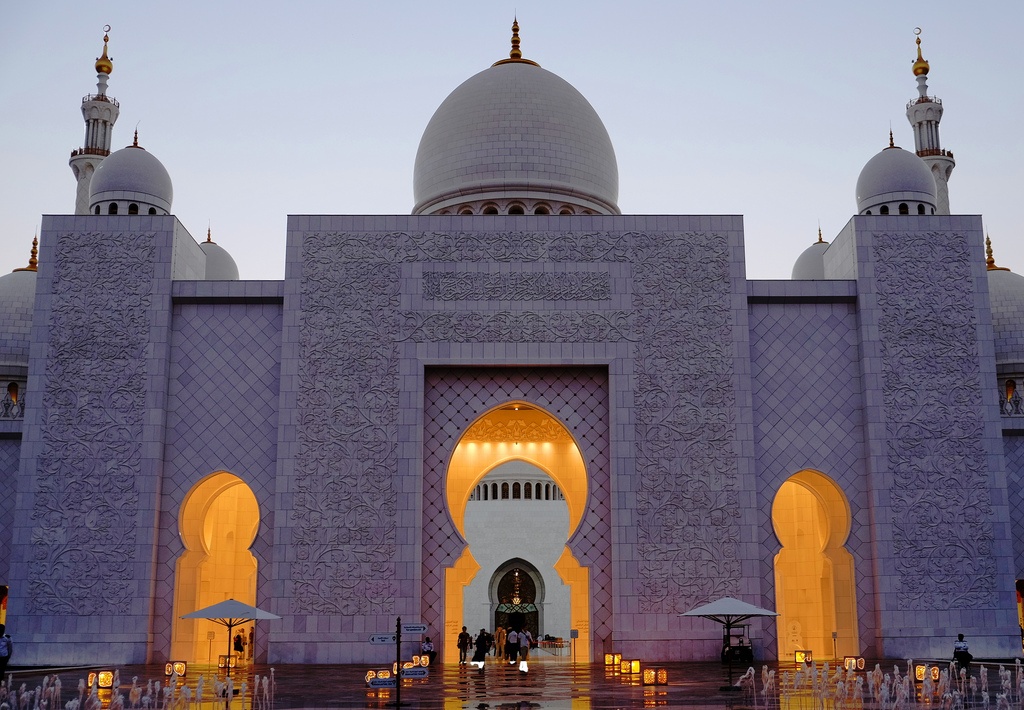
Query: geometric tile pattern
point(1013, 446)
point(807, 415)
point(10, 457)
point(224, 384)
point(578, 397)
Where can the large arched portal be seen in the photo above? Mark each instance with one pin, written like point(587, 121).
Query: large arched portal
point(517, 432)
point(814, 576)
point(218, 523)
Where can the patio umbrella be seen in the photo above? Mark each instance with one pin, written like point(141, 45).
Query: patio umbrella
point(230, 613)
point(728, 612)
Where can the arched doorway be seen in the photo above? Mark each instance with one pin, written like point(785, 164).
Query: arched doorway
point(218, 523)
point(517, 597)
point(814, 576)
point(524, 434)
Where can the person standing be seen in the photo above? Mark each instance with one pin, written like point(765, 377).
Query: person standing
point(464, 642)
point(512, 646)
point(6, 650)
point(525, 642)
point(482, 644)
point(961, 655)
point(248, 645)
point(500, 638)
point(239, 646)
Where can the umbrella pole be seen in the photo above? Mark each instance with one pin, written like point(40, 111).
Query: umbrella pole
point(227, 659)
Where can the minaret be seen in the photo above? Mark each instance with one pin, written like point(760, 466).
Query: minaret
point(924, 114)
point(100, 113)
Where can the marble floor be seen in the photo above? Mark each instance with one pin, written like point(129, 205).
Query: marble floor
point(550, 683)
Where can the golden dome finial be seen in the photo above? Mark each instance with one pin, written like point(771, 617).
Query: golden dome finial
point(104, 65)
point(892, 144)
point(820, 240)
point(920, 66)
point(33, 259)
point(135, 140)
point(516, 55)
point(209, 238)
point(990, 261)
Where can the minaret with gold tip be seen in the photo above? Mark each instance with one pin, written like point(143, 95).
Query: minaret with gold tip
point(100, 113)
point(924, 114)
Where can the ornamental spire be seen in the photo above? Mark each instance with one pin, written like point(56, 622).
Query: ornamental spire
point(516, 54)
point(990, 261)
point(104, 64)
point(33, 259)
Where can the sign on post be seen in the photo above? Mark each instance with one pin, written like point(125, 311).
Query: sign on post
point(382, 639)
point(414, 628)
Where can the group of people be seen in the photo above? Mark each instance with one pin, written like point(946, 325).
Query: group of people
point(243, 646)
point(507, 645)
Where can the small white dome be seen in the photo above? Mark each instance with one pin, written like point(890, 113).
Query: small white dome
point(131, 175)
point(1006, 296)
point(810, 265)
point(894, 176)
point(516, 131)
point(220, 266)
point(17, 302)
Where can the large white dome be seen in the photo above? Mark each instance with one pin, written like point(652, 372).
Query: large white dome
point(893, 177)
point(131, 175)
point(515, 131)
point(1006, 296)
point(17, 302)
point(810, 265)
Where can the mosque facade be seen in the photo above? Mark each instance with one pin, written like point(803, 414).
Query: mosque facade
point(515, 400)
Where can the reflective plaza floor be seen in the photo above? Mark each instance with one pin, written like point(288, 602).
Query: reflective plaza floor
point(549, 684)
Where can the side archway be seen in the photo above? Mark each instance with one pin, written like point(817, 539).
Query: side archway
point(218, 522)
point(815, 589)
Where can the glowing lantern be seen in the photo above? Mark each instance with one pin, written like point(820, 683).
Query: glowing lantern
point(370, 675)
point(650, 676)
point(919, 671)
point(802, 656)
point(634, 667)
point(178, 667)
point(624, 666)
point(662, 676)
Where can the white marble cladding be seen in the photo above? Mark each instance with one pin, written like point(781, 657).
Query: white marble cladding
point(81, 568)
point(944, 556)
point(658, 300)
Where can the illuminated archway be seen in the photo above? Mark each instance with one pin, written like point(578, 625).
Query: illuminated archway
point(815, 591)
point(516, 431)
point(218, 523)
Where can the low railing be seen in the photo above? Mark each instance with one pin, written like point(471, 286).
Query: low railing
point(100, 97)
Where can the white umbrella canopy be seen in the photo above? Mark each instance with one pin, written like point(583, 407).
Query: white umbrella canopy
point(230, 613)
point(728, 611)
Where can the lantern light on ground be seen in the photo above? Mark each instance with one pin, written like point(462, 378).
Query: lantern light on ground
point(853, 663)
point(804, 656)
point(650, 676)
point(634, 667)
point(662, 678)
point(623, 666)
point(104, 679)
point(178, 667)
point(227, 661)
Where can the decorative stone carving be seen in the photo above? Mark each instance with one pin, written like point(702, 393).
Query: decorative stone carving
point(681, 325)
point(516, 430)
point(686, 494)
point(86, 506)
point(940, 492)
point(461, 286)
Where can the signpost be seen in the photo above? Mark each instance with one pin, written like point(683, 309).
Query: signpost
point(396, 638)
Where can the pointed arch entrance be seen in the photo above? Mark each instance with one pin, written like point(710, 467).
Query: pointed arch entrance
point(577, 399)
point(517, 431)
point(814, 576)
point(218, 523)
